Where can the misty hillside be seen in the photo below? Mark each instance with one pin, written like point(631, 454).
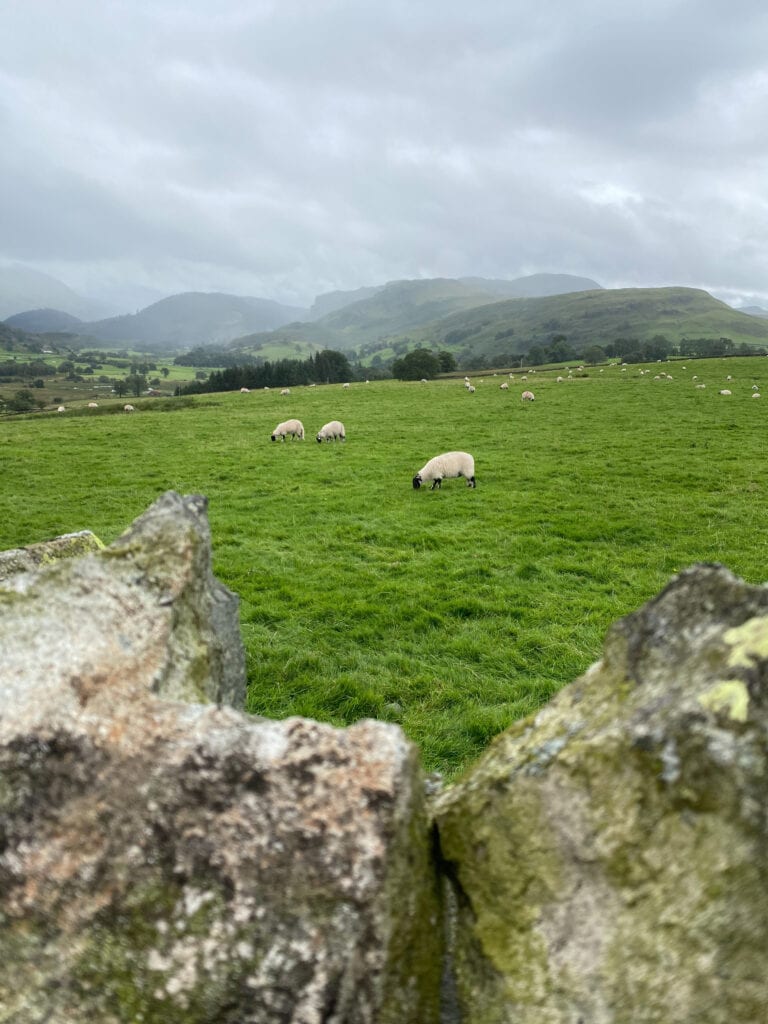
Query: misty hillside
point(329, 302)
point(192, 318)
point(22, 289)
point(40, 321)
point(592, 317)
point(533, 286)
point(400, 306)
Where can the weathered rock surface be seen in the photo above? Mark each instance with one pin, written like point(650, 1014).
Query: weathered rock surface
point(610, 855)
point(146, 611)
point(173, 863)
point(27, 559)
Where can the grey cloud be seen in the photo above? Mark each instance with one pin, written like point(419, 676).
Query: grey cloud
point(287, 148)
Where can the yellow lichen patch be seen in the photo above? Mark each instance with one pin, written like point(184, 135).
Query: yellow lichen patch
point(729, 696)
point(749, 643)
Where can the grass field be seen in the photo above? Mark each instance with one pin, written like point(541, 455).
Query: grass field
point(452, 612)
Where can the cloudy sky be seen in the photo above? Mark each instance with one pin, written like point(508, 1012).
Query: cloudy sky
point(283, 148)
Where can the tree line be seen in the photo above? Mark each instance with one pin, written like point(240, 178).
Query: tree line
point(326, 367)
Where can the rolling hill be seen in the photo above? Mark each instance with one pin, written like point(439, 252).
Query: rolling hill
point(591, 317)
point(41, 321)
point(192, 318)
point(401, 306)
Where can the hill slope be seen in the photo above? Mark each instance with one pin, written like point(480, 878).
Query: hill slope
point(400, 306)
point(593, 317)
point(39, 321)
point(193, 318)
point(24, 289)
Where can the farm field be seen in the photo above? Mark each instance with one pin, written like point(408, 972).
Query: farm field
point(451, 612)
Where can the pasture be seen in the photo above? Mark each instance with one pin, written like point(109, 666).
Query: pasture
point(452, 612)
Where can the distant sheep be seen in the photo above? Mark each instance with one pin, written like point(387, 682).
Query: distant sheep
point(504, 386)
point(293, 427)
point(61, 408)
point(700, 387)
point(128, 408)
point(333, 431)
point(527, 396)
point(245, 391)
point(285, 391)
point(725, 391)
point(755, 394)
point(93, 405)
point(451, 464)
point(559, 380)
point(471, 389)
point(345, 385)
point(755, 387)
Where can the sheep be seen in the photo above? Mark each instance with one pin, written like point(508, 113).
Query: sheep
point(700, 387)
point(285, 391)
point(61, 408)
point(333, 431)
point(423, 380)
point(504, 386)
point(755, 394)
point(245, 391)
point(560, 380)
point(755, 387)
point(128, 408)
point(527, 396)
point(345, 385)
point(451, 464)
point(725, 391)
point(471, 389)
point(93, 405)
point(293, 427)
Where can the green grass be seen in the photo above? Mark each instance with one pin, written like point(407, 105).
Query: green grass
point(451, 612)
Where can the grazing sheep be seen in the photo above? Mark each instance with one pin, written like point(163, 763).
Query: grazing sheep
point(729, 377)
point(293, 427)
point(93, 405)
point(560, 380)
point(755, 387)
point(245, 391)
point(285, 391)
point(725, 391)
point(755, 394)
point(700, 387)
point(61, 408)
point(527, 396)
point(333, 431)
point(471, 389)
point(128, 408)
point(504, 386)
point(423, 380)
point(345, 385)
point(451, 464)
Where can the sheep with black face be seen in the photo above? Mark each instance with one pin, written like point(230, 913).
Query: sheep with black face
point(451, 464)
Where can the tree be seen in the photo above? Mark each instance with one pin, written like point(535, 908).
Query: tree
point(136, 382)
point(447, 361)
point(165, 371)
point(593, 354)
point(22, 401)
point(120, 388)
point(536, 355)
point(416, 365)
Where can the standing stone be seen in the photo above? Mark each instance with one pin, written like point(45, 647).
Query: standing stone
point(166, 862)
point(609, 856)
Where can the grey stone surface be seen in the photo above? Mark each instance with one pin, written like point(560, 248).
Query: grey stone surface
point(166, 862)
point(146, 611)
point(27, 559)
point(609, 856)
